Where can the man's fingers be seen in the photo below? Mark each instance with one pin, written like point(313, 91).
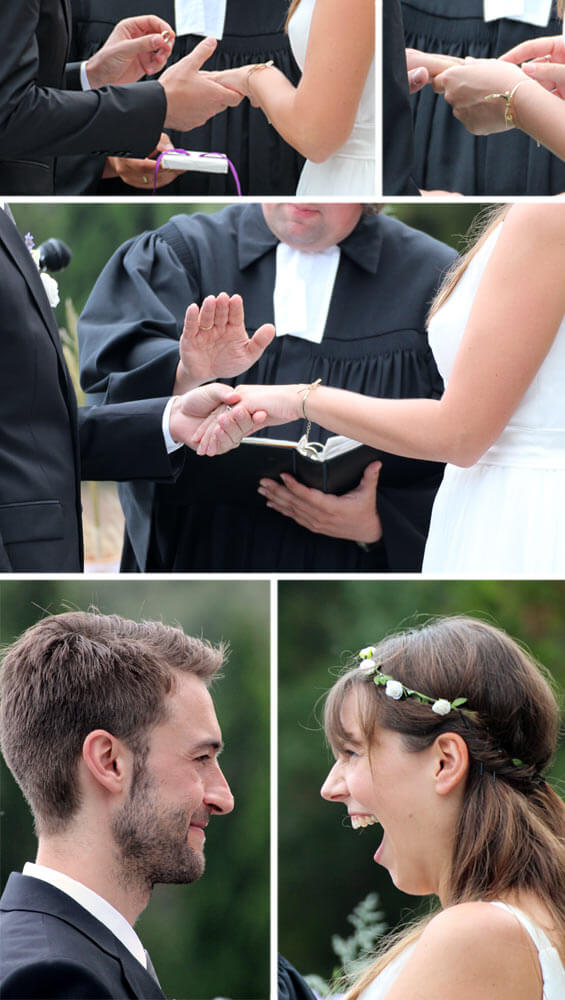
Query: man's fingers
point(200, 53)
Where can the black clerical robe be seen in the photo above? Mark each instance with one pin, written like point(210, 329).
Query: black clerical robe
point(374, 342)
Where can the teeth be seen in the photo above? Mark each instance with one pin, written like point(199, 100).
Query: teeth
point(362, 821)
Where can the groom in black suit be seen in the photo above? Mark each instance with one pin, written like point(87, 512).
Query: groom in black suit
point(109, 728)
point(44, 110)
point(47, 444)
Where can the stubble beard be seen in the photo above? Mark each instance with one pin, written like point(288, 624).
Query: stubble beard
point(151, 840)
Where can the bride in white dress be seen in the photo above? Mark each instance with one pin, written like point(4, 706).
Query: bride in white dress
point(423, 747)
point(330, 116)
point(499, 339)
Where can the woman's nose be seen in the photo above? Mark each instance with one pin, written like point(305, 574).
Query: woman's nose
point(334, 788)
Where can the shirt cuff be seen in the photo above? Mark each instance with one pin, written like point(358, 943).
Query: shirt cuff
point(83, 77)
point(170, 444)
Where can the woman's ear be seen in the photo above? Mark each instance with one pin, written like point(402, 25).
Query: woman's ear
point(107, 760)
point(451, 759)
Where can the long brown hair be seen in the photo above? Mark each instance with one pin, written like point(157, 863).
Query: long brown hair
point(511, 830)
point(479, 232)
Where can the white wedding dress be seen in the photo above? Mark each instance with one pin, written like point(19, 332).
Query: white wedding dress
point(352, 169)
point(551, 966)
point(504, 516)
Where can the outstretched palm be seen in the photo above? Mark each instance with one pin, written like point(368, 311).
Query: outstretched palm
point(214, 342)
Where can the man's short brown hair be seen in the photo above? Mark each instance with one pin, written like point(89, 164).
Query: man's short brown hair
point(78, 671)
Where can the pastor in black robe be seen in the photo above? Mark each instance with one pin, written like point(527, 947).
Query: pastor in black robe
point(374, 342)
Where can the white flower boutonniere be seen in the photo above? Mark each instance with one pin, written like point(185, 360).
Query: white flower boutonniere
point(50, 285)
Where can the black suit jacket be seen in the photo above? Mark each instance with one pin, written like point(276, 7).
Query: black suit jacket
point(50, 947)
point(398, 139)
point(43, 112)
point(46, 444)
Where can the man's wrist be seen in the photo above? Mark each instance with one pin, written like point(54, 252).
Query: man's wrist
point(84, 81)
point(170, 444)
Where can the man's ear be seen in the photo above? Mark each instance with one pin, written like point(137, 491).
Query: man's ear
point(108, 760)
point(451, 762)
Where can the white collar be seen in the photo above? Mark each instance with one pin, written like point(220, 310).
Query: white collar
point(200, 17)
point(304, 285)
point(529, 11)
point(95, 904)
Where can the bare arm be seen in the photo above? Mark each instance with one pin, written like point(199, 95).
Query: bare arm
point(518, 308)
point(317, 116)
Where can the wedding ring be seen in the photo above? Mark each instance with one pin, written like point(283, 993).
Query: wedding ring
point(205, 328)
point(144, 179)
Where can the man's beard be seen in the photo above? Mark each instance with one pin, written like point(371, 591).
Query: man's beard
point(152, 839)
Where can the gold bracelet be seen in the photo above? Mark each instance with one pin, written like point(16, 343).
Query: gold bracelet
point(307, 391)
point(507, 96)
point(258, 66)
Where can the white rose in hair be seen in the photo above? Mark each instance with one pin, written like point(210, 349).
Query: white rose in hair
point(441, 707)
point(394, 690)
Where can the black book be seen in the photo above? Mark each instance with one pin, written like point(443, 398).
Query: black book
point(336, 467)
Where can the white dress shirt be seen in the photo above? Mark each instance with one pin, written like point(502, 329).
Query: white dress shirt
point(95, 904)
point(535, 12)
point(304, 284)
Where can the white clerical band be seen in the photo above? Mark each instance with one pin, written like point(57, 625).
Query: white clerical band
point(535, 12)
point(303, 289)
point(200, 17)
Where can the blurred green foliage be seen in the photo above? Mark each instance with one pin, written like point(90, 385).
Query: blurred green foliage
point(95, 231)
point(211, 938)
point(325, 868)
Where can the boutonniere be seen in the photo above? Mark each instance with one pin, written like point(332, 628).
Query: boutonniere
point(50, 285)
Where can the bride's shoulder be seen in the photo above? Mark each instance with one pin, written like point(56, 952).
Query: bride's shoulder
point(537, 219)
point(470, 950)
point(475, 920)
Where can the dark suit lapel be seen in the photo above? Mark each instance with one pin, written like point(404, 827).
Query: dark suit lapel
point(66, 5)
point(16, 248)
point(25, 893)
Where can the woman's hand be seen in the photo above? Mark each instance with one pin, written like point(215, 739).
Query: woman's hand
point(236, 79)
point(550, 47)
point(352, 516)
point(551, 75)
point(466, 86)
point(214, 342)
point(138, 46)
point(269, 405)
point(141, 173)
point(207, 403)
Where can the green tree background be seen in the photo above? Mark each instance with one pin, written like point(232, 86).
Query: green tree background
point(325, 868)
point(211, 938)
point(94, 231)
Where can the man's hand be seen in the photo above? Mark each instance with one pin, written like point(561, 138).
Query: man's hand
point(352, 516)
point(193, 96)
point(141, 173)
point(214, 342)
point(422, 67)
point(138, 46)
point(188, 412)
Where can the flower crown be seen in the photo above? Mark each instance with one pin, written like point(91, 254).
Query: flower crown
point(396, 690)
point(441, 706)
